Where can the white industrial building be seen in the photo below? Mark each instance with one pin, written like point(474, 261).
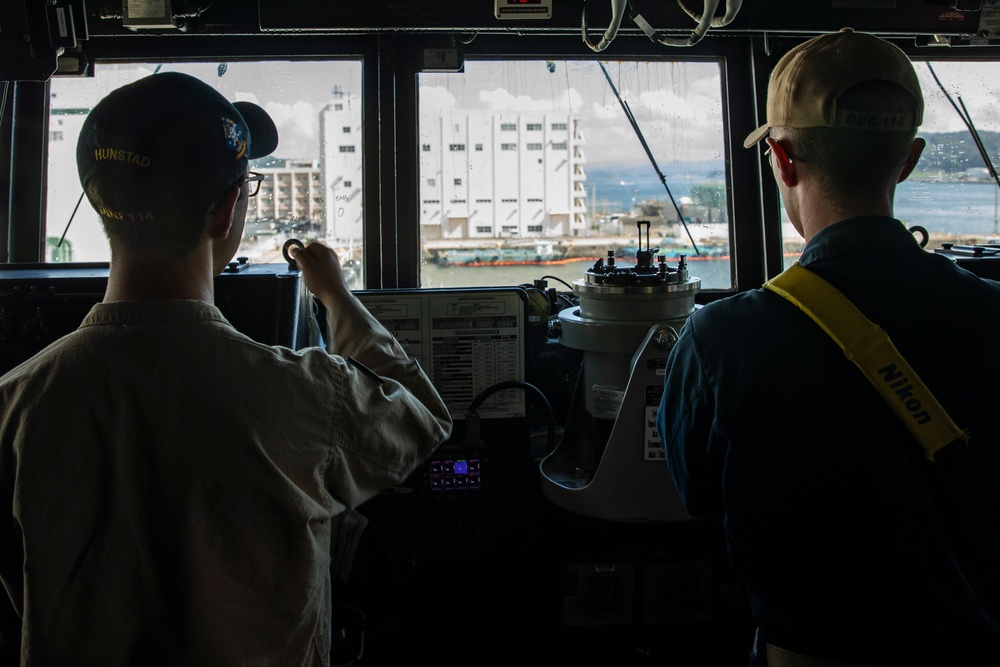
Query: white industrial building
point(340, 166)
point(488, 175)
point(483, 175)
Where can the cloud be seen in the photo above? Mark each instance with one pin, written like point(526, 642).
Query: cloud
point(436, 98)
point(243, 96)
point(571, 100)
point(499, 99)
point(297, 126)
point(973, 82)
point(677, 105)
point(675, 127)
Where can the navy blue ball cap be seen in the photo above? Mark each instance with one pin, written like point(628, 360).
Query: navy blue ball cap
point(169, 136)
point(263, 133)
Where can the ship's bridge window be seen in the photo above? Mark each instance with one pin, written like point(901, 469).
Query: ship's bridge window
point(320, 201)
point(595, 183)
point(950, 193)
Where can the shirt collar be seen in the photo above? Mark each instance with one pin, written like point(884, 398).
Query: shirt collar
point(864, 235)
point(133, 312)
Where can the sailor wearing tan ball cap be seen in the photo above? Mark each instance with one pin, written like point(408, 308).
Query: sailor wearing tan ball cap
point(858, 544)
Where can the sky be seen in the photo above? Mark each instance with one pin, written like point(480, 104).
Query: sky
point(293, 93)
point(677, 105)
point(978, 84)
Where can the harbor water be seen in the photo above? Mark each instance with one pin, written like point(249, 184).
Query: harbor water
point(964, 212)
point(714, 274)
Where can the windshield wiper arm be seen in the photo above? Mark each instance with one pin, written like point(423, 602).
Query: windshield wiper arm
point(963, 113)
point(649, 154)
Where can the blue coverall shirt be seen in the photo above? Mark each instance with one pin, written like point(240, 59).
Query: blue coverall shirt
point(850, 544)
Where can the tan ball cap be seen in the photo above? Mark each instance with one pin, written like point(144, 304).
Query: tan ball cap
point(809, 79)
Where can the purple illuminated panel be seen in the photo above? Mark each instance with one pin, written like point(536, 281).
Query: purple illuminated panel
point(455, 474)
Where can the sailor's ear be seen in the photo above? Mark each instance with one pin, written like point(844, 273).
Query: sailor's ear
point(916, 149)
point(219, 220)
point(782, 161)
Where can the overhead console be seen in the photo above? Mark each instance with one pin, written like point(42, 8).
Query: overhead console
point(43, 37)
point(61, 23)
point(933, 17)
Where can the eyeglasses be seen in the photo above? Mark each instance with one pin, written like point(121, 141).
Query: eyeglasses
point(252, 181)
point(769, 154)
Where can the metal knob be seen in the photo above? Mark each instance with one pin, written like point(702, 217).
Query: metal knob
point(665, 338)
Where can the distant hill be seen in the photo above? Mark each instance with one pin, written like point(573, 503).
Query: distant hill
point(950, 152)
point(955, 152)
point(620, 187)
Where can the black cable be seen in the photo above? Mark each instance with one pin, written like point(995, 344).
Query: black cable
point(558, 280)
point(516, 384)
point(572, 304)
point(564, 297)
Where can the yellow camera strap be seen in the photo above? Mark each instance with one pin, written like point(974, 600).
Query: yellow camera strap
point(871, 350)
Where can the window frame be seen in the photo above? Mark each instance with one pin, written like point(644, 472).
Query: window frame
point(390, 63)
point(739, 81)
